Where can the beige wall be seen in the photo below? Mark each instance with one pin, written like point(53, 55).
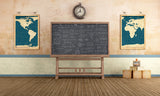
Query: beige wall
point(24, 66)
point(97, 10)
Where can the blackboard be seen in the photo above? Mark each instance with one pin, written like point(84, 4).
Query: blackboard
point(79, 39)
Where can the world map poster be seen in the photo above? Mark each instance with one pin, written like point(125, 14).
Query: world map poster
point(133, 32)
point(26, 32)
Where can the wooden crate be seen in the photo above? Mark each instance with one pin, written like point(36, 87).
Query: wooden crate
point(141, 68)
point(127, 73)
point(133, 68)
point(146, 74)
point(137, 74)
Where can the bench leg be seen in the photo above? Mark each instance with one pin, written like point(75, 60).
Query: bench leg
point(102, 67)
point(57, 67)
point(102, 77)
point(56, 77)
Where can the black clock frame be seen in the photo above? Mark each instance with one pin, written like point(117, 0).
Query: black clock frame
point(79, 17)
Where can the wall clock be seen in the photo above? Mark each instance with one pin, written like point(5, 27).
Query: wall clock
point(79, 11)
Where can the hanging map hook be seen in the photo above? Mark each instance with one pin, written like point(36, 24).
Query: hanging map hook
point(35, 12)
point(124, 12)
point(140, 12)
point(18, 12)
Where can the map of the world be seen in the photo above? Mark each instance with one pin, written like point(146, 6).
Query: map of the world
point(26, 32)
point(132, 32)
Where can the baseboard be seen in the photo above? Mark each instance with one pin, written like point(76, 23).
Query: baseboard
point(155, 75)
point(113, 75)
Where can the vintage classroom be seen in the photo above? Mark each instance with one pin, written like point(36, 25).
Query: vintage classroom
point(42, 55)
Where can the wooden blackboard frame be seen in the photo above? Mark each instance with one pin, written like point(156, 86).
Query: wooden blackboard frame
point(52, 55)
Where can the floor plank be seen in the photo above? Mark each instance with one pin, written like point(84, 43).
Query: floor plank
point(78, 86)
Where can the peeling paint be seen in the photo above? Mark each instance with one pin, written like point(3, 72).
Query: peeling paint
point(1, 50)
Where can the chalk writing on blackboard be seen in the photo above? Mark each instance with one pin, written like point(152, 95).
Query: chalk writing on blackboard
point(79, 39)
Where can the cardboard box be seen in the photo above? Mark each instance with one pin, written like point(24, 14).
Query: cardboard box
point(137, 74)
point(146, 74)
point(127, 73)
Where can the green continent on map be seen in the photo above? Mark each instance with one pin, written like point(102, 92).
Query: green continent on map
point(27, 31)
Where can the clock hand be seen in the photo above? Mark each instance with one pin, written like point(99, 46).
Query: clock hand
point(79, 11)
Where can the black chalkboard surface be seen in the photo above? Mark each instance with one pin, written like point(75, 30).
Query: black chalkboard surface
point(79, 39)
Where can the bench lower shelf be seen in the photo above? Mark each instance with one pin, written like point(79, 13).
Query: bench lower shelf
point(79, 67)
point(82, 73)
point(82, 70)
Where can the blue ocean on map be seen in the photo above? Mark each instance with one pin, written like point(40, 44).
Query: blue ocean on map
point(134, 35)
point(26, 31)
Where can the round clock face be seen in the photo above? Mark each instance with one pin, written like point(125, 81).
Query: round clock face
point(79, 12)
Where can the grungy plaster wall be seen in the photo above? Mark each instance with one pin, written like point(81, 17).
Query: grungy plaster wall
point(97, 10)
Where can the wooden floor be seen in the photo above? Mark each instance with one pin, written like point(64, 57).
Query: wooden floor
point(78, 86)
